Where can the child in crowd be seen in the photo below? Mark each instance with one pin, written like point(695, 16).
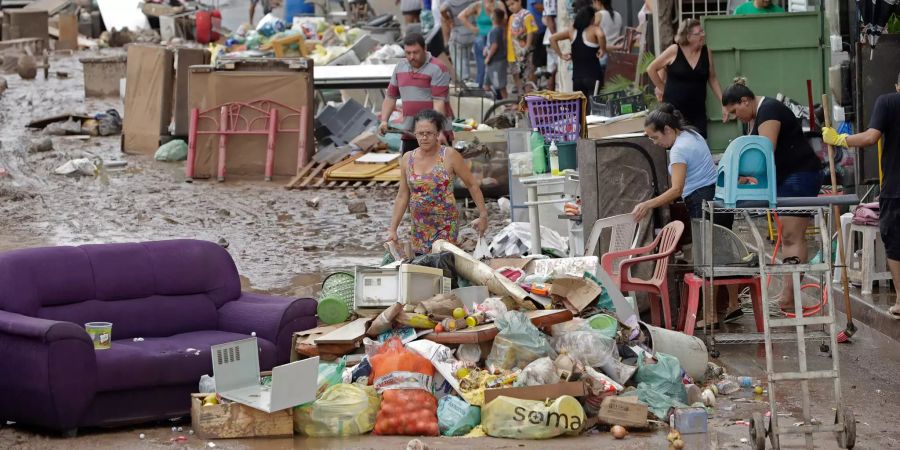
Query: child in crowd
point(520, 37)
point(495, 57)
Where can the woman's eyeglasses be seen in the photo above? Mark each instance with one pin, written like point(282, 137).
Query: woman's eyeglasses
point(425, 134)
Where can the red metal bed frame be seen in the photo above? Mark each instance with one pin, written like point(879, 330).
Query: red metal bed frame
point(259, 117)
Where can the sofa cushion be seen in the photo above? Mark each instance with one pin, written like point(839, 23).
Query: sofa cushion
point(121, 271)
point(154, 316)
point(190, 266)
point(166, 361)
point(35, 277)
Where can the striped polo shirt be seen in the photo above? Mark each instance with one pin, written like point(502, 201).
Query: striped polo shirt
point(418, 88)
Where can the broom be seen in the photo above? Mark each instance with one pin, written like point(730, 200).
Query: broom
point(847, 333)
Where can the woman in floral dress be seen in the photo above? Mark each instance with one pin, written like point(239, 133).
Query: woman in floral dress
point(426, 188)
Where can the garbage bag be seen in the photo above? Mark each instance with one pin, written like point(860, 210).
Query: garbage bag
point(404, 380)
point(541, 371)
point(330, 374)
point(456, 417)
point(589, 347)
point(342, 410)
point(515, 418)
point(659, 385)
point(174, 150)
point(518, 343)
point(109, 123)
point(442, 260)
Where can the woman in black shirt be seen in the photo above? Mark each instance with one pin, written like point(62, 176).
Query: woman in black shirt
point(682, 72)
point(797, 168)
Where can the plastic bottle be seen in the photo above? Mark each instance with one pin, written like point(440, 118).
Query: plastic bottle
point(538, 155)
point(742, 381)
point(554, 158)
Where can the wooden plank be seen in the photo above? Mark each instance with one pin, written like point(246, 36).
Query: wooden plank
point(352, 332)
point(486, 332)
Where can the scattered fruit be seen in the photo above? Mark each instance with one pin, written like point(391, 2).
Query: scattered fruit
point(459, 313)
point(619, 432)
point(758, 390)
point(674, 434)
point(678, 444)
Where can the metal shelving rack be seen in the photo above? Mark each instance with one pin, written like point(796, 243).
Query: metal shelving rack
point(844, 426)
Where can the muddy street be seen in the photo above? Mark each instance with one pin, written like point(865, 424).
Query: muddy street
point(279, 242)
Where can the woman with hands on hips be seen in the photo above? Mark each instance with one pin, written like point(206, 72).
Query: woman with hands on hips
point(426, 188)
point(681, 73)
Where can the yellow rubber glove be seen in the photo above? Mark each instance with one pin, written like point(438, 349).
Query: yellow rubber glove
point(831, 137)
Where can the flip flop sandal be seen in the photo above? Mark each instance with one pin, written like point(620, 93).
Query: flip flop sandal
point(894, 311)
point(733, 316)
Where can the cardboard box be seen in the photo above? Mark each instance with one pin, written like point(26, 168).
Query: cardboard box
point(634, 124)
point(625, 411)
point(184, 59)
point(234, 420)
point(148, 97)
point(102, 75)
point(366, 141)
point(551, 391)
point(286, 81)
point(484, 137)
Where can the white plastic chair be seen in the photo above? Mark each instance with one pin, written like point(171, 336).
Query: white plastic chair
point(625, 234)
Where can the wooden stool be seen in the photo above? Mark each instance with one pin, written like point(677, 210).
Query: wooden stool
point(871, 266)
point(688, 315)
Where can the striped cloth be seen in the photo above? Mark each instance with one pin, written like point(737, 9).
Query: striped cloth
point(418, 88)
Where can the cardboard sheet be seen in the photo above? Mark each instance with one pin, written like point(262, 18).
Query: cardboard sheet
point(246, 155)
point(539, 393)
point(184, 59)
point(148, 97)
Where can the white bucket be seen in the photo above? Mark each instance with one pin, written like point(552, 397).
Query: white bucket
point(690, 350)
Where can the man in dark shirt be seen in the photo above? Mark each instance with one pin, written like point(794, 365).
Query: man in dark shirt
point(884, 124)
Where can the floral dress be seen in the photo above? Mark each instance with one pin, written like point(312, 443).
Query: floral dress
point(432, 205)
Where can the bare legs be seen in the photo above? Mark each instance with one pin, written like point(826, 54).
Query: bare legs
point(793, 243)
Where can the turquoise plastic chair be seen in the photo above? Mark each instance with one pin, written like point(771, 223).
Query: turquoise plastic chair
point(747, 156)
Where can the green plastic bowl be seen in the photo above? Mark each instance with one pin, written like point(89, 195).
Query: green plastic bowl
point(332, 310)
point(606, 324)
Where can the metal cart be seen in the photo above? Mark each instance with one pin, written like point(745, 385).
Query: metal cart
point(823, 324)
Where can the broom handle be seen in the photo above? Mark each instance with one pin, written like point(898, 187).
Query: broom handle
point(845, 283)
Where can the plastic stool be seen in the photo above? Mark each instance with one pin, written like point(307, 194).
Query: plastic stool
point(746, 156)
point(687, 319)
point(871, 266)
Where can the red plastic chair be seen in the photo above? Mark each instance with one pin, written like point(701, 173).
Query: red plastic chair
point(658, 285)
point(691, 299)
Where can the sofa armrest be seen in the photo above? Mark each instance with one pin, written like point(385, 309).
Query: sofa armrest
point(272, 318)
point(48, 371)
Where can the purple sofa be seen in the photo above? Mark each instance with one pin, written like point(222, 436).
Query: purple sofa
point(176, 295)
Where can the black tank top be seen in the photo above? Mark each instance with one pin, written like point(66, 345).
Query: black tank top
point(585, 63)
point(686, 86)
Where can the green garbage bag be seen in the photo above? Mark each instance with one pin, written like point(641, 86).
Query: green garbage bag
point(330, 374)
point(518, 343)
point(175, 150)
point(342, 410)
point(659, 385)
point(456, 417)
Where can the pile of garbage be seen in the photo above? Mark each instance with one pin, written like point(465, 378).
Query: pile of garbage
point(469, 351)
point(321, 41)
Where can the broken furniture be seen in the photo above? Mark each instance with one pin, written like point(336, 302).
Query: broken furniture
point(168, 301)
point(257, 118)
point(26, 23)
point(246, 81)
point(871, 263)
point(747, 157)
point(282, 46)
point(658, 283)
point(148, 97)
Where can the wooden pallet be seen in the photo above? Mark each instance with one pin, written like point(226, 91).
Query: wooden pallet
point(312, 176)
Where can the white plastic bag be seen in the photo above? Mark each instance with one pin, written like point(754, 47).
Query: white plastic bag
point(482, 249)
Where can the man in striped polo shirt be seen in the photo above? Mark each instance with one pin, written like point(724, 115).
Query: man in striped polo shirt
point(422, 82)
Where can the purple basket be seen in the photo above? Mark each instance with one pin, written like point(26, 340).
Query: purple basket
point(558, 120)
